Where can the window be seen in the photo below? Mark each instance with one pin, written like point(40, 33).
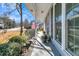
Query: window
point(58, 22)
point(72, 15)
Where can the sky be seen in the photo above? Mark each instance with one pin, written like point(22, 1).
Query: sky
point(15, 15)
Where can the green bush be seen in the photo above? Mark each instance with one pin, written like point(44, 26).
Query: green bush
point(3, 49)
point(13, 47)
point(10, 49)
point(30, 33)
point(18, 39)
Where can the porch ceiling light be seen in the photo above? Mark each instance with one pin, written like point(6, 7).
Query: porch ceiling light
point(31, 10)
point(42, 11)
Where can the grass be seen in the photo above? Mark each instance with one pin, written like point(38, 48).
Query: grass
point(4, 37)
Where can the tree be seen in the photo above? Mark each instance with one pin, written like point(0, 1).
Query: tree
point(14, 23)
point(8, 23)
point(27, 24)
point(8, 8)
point(19, 9)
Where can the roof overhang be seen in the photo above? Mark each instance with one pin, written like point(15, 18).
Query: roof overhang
point(39, 10)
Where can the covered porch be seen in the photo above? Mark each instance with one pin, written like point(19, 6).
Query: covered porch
point(42, 16)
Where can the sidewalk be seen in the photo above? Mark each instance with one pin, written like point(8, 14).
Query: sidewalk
point(41, 49)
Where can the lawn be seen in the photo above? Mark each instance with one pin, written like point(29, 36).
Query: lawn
point(5, 36)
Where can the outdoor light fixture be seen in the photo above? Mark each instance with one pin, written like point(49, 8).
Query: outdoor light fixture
point(31, 10)
point(42, 11)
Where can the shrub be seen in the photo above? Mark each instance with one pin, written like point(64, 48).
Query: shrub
point(18, 39)
point(3, 49)
point(30, 33)
point(14, 49)
point(10, 49)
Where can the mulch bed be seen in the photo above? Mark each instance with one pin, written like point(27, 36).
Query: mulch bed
point(27, 52)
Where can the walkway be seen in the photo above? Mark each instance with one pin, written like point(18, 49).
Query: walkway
point(40, 49)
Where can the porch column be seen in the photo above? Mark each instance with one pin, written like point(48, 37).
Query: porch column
point(53, 21)
point(63, 26)
point(44, 26)
point(35, 7)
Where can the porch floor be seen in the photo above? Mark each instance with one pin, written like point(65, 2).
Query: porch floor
point(39, 48)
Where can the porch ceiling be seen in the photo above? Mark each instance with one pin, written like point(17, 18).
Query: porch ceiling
point(39, 10)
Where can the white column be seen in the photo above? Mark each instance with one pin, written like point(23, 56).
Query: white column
point(50, 22)
point(53, 21)
point(44, 25)
point(35, 7)
point(63, 25)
